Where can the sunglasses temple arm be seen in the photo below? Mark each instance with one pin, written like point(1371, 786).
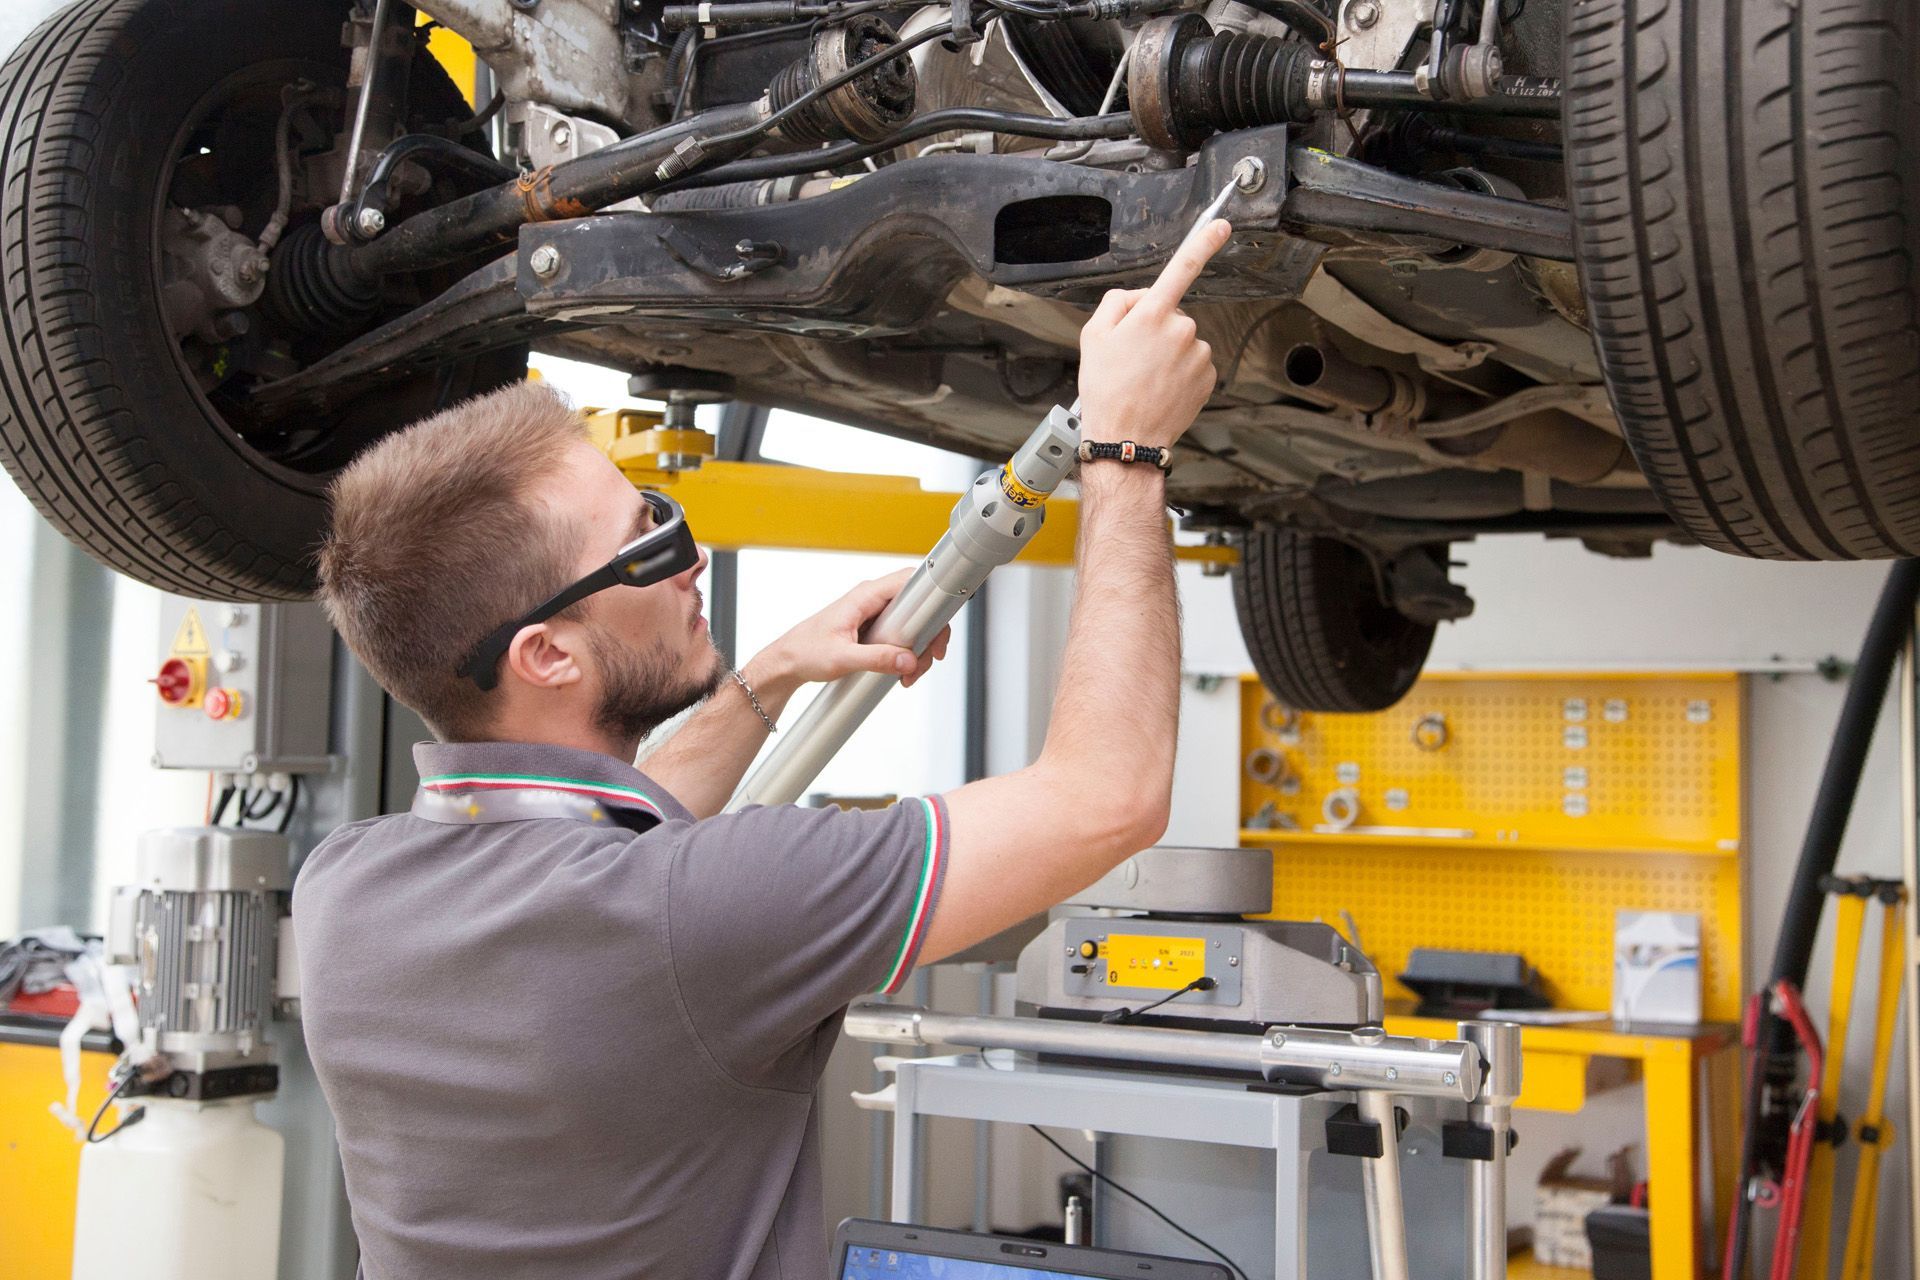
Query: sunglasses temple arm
point(993, 521)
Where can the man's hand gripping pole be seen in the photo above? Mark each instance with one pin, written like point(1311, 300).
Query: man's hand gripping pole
point(994, 519)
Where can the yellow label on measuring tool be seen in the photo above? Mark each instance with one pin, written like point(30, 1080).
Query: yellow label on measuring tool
point(1147, 960)
point(1017, 491)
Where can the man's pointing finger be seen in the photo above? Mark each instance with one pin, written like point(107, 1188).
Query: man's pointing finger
point(1188, 261)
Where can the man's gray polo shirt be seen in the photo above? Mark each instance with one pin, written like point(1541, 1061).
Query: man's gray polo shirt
point(586, 1046)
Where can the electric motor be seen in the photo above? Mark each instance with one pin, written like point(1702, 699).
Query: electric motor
point(201, 927)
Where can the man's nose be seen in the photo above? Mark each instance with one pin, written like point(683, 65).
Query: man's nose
point(692, 575)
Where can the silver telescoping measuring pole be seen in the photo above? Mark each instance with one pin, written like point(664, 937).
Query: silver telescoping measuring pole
point(994, 519)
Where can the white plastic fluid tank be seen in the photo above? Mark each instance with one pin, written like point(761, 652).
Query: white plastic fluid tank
point(191, 1192)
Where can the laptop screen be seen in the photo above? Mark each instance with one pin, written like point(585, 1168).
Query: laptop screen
point(867, 1263)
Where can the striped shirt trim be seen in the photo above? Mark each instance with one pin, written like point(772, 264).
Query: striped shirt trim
point(535, 782)
point(931, 857)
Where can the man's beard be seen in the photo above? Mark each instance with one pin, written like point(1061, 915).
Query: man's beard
point(642, 689)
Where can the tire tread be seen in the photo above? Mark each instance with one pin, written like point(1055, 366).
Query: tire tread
point(1742, 176)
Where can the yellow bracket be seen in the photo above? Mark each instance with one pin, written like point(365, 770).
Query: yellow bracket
point(1850, 916)
point(737, 505)
point(1862, 1223)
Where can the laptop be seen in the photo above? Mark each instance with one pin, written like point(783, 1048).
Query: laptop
point(868, 1250)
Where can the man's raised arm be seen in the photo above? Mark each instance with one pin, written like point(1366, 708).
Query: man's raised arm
point(1102, 785)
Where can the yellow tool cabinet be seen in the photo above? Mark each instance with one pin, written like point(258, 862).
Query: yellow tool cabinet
point(1519, 812)
point(39, 1157)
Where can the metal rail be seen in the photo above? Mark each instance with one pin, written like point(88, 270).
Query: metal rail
point(1499, 1046)
point(1353, 1060)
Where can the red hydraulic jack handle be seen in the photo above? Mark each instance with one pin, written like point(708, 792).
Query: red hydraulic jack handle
point(1790, 1193)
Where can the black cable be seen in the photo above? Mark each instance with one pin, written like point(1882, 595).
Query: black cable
point(1201, 983)
point(293, 798)
point(220, 808)
point(689, 59)
point(120, 1080)
point(270, 799)
point(1101, 1177)
point(480, 118)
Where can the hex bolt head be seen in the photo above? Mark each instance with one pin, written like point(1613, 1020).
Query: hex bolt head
point(1250, 173)
point(545, 260)
point(1363, 13)
point(371, 222)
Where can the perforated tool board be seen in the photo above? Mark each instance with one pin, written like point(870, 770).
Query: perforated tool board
point(1509, 812)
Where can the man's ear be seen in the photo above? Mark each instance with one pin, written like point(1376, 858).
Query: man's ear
point(539, 656)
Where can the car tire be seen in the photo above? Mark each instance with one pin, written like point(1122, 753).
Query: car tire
point(1745, 187)
point(1319, 633)
point(100, 424)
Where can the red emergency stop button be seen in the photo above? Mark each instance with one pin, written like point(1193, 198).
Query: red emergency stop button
point(221, 704)
point(178, 682)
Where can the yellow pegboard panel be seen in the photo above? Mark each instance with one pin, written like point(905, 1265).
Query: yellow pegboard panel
point(1632, 762)
point(1555, 908)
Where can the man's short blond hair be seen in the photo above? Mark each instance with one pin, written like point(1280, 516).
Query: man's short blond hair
point(437, 538)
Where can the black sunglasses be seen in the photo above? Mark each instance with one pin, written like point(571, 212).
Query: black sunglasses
point(656, 555)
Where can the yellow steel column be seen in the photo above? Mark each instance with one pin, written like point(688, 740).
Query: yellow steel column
point(1876, 1131)
point(1672, 1192)
point(1817, 1224)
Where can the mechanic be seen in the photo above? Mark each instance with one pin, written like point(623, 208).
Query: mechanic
point(569, 1017)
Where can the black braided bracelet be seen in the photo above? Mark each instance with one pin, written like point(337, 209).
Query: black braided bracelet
point(1126, 451)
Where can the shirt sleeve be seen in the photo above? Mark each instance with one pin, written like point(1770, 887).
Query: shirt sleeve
point(779, 917)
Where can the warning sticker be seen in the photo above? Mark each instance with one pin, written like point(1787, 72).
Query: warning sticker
point(190, 641)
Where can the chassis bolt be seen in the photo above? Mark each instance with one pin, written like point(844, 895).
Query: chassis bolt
point(1250, 173)
point(371, 222)
point(545, 260)
point(1363, 13)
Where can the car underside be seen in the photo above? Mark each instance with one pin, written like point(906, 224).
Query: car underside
point(1475, 285)
point(1403, 358)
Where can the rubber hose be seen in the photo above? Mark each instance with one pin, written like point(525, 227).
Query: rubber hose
point(1892, 623)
